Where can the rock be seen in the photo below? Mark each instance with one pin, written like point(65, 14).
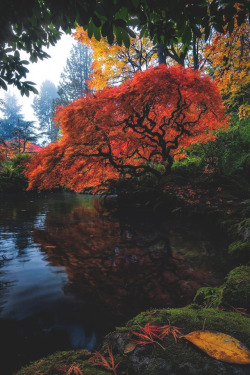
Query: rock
point(236, 291)
point(181, 358)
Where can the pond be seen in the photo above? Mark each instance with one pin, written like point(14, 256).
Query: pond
point(70, 271)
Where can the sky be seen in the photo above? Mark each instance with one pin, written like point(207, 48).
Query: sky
point(47, 69)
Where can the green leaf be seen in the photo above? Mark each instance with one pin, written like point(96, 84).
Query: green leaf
point(105, 28)
point(90, 29)
point(96, 20)
point(118, 35)
point(3, 84)
point(97, 32)
point(120, 23)
point(110, 37)
point(125, 38)
point(17, 55)
point(187, 35)
point(130, 32)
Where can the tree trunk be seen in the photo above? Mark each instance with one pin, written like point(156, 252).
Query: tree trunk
point(161, 53)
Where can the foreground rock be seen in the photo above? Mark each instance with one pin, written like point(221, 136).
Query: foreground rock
point(179, 358)
point(234, 294)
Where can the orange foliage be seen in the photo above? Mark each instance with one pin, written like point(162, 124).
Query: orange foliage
point(229, 55)
point(99, 360)
point(136, 128)
point(113, 64)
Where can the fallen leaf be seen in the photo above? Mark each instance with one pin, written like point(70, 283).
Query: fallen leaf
point(129, 348)
point(220, 346)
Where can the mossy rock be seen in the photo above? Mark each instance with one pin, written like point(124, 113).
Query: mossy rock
point(60, 362)
point(236, 291)
point(181, 358)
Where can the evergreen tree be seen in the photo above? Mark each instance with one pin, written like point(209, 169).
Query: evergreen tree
point(75, 75)
point(43, 106)
point(12, 117)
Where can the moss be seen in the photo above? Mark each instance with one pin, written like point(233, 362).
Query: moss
point(178, 358)
point(209, 297)
point(237, 288)
point(236, 246)
point(55, 363)
point(246, 222)
point(187, 358)
point(239, 251)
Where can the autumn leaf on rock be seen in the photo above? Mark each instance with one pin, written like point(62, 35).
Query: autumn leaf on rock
point(129, 347)
point(149, 334)
point(220, 346)
point(99, 360)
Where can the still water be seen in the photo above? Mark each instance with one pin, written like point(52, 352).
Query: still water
point(70, 271)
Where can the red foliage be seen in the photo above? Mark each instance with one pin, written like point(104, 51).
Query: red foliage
point(130, 130)
point(149, 334)
point(99, 360)
point(10, 148)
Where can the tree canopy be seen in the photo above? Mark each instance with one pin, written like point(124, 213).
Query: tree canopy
point(112, 64)
point(138, 127)
point(30, 25)
point(229, 57)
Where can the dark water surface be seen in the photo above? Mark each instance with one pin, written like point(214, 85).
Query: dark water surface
point(70, 272)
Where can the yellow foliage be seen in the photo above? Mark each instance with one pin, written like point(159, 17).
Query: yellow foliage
point(220, 346)
point(112, 64)
point(229, 56)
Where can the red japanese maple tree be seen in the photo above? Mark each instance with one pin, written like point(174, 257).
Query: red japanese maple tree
point(136, 128)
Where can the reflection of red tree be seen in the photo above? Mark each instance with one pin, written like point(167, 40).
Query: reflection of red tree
point(114, 270)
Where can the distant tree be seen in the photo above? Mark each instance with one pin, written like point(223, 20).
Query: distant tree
point(75, 76)
point(22, 135)
point(12, 117)
point(44, 108)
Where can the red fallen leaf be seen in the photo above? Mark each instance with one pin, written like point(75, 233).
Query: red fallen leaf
point(148, 335)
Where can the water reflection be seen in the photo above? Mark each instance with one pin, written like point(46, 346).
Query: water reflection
point(118, 269)
point(70, 272)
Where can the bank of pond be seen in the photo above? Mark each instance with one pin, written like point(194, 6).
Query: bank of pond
point(74, 267)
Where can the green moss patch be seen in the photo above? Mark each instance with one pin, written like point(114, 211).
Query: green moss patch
point(209, 297)
point(60, 362)
point(182, 357)
point(178, 358)
point(236, 291)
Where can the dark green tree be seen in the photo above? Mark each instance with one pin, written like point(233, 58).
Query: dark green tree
point(43, 106)
point(75, 75)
